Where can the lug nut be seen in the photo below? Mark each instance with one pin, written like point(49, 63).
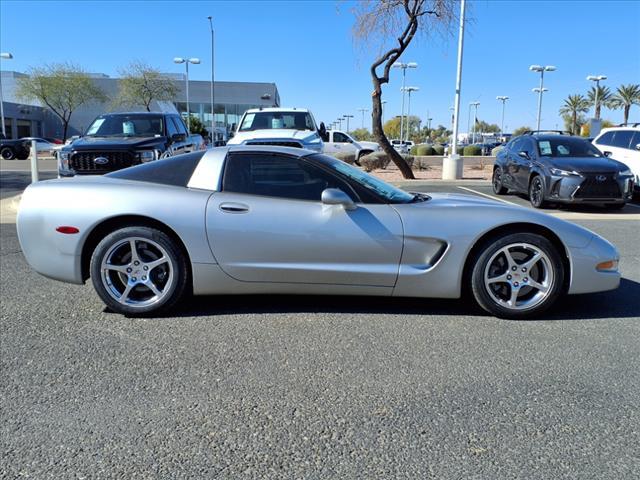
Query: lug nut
point(525, 279)
point(128, 270)
point(524, 269)
point(515, 284)
point(508, 277)
point(514, 268)
point(136, 263)
point(145, 268)
point(133, 279)
point(144, 278)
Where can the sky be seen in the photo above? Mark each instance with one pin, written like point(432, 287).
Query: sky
point(307, 49)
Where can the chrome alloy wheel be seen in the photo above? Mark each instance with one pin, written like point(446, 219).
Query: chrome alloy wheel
point(536, 193)
point(137, 272)
point(519, 276)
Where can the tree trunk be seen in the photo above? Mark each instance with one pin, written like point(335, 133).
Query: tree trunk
point(65, 124)
point(574, 125)
point(626, 113)
point(378, 132)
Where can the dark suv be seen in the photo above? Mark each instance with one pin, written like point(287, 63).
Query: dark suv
point(119, 140)
point(561, 168)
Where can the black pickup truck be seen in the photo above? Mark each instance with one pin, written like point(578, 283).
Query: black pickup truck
point(10, 149)
point(119, 140)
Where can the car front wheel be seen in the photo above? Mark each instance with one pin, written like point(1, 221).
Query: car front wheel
point(517, 276)
point(536, 192)
point(139, 271)
point(498, 188)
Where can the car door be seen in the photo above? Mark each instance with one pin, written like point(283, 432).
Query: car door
point(179, 147)
point(524, 165)
point(511, 163)
point(330, 146)
point(268, 224)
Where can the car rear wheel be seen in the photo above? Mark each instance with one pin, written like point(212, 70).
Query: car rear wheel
point(517, 276)
point(498, 189)
point(7, 153)
point(536, 192)
point(139, 271)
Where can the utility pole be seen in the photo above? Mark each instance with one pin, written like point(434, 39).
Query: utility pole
point(404, 67)
point(213, 112)
point(363, 111)
point(541, 69)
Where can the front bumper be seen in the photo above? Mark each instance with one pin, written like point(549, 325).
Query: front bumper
point(585, 277)
point(595, 188)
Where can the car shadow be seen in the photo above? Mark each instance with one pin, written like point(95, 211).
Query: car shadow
point(621, 303)
point(579, 208)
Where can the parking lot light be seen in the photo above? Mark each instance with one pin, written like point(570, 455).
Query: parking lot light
point(347, 117)
point(404, 67)
point(541, 69)
point(409, 90)
point(597, 79)
point(4, 56)
point(503, 99)
point(187, 61)
point(475, 120)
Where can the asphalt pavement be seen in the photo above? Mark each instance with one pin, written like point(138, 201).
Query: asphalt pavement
point(319, 387)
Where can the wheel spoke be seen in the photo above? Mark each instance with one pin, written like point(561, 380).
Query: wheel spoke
point(134, 251)
point(152, 286)
point(510, 260)
point(499, 279)
point(156, 263)
point(538, 286)
point(514, 296)
point(532, 261)
point(116, 268)
point(125, 294)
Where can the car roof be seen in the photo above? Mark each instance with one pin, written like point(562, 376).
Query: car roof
point(633, 128)
point(139, 113)
point(277, 109)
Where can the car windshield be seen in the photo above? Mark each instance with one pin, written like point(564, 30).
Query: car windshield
point(382, 189)
point(126, 126)
point(275, 120)
point(564, 146)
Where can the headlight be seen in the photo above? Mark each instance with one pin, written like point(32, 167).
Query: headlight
point(147, 155)
point(563, 173)
point(63, 159)
point(64, 155)
point(626, 173)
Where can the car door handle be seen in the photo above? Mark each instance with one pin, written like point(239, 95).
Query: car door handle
point(231, 207)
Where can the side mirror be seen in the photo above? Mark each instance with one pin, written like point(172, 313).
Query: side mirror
point(606, 154)
point(335, 196)
point(637, 146)
point(524, 154)
point(178, 137)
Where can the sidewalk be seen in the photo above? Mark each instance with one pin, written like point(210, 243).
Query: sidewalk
point(9, 209)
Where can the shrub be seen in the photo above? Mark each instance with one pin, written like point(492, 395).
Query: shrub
point(346, 157)
point(424, 150)
point(421, 164)
point(495, 150)
point(380, 160)
point(414, 150)
point(472, 151)
point(438, 150)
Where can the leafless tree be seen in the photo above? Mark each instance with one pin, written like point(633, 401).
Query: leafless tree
point(393, 24)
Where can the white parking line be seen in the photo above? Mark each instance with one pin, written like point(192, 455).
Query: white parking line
point(490, 196)
point(632, 205)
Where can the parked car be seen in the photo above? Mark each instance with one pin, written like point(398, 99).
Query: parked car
point(563, 169)
point(43, 146)
point(288, 127)
point(623, 144)
point(402, 146)
point(10, 149)
point(269, 220)
point(119, 140)
point(337, 141)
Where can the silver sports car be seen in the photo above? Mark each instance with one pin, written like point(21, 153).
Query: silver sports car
point(257, 219)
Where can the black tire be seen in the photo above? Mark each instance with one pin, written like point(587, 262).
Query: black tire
point(496, 182)
point(169, 278)
point(614, 206)
point(536, 192)
point(547, 272)
point(7, 153)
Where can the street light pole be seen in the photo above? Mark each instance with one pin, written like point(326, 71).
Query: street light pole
point(409, 90)
point(363, 111)
point(347, 117)
point(5, 56)
point(475, 119)
point(213, 112)
point(404, 67)
point(541, 69)
point(503, 99)
point(597, 79)
point(187, 61)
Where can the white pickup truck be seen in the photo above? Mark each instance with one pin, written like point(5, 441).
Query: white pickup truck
point(289, 127)
point(337, 142)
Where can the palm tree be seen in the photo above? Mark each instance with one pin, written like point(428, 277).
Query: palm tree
point(625, 96)
point(573, 106)
point(604, 98)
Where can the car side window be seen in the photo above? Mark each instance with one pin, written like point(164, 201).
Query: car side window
point(180, 126)
point(605, 139)
point(279, 176)
point(635, 141)
point(340, 138)
point(516, 145)
point(171, 127)
point(622, 139)
point(526, 145)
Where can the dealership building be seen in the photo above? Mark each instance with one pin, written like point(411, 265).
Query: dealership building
point(232, 99)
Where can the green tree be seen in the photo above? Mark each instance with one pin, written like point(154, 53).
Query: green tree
point(572, 108)
point(389, 27)
point(625, 97)
point(392, 127)
point(484, 127)
point(141, 84)
point(361, 134)
point(519, 131)
point(63, 87)
point(604, 98)
point(196, 126)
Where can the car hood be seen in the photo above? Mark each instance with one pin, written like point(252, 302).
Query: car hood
point(106, 143)
point(280, 133)
point(587, 164)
